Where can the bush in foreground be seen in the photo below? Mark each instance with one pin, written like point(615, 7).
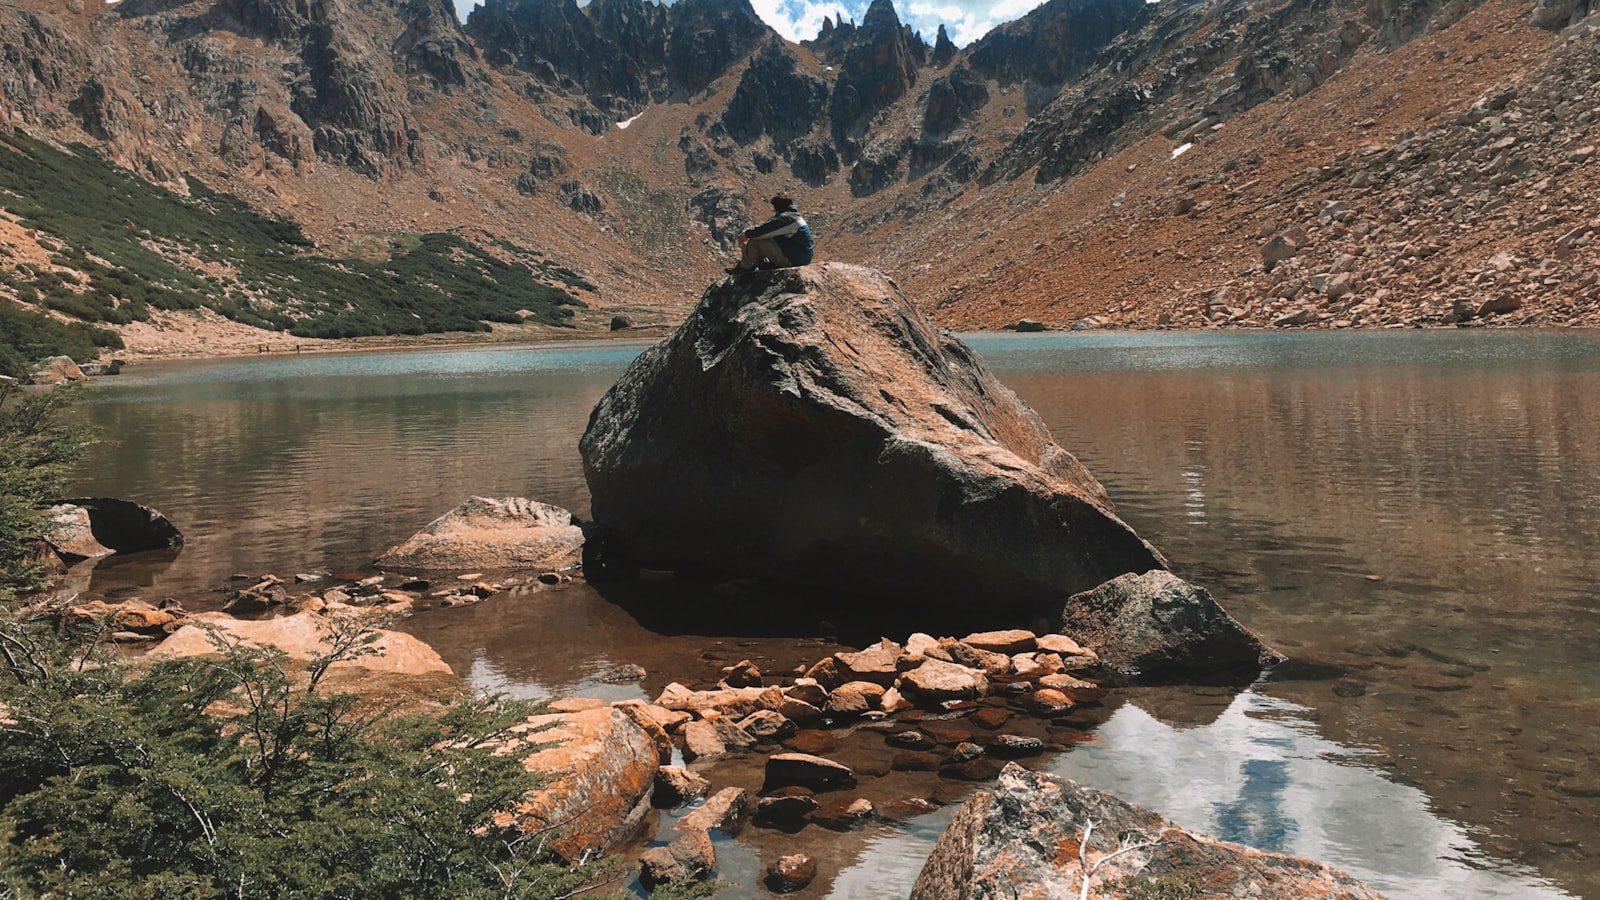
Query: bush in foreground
point(244, 775)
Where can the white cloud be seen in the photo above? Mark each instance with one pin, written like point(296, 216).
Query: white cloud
point(797, 20)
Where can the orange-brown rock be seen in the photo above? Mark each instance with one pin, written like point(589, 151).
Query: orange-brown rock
point(1014, 640)
point(300, 636)
point(810, 423)
point(601, 768)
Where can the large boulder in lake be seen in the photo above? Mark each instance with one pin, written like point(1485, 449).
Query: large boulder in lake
point(810, 424)
point(1156, 627)
point(1023, 839)
point(485, 533)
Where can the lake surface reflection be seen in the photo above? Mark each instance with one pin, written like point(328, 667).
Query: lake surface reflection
point(1412, 517)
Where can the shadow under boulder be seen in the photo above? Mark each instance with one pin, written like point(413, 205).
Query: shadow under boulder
point(117, 526)
point(809, 425)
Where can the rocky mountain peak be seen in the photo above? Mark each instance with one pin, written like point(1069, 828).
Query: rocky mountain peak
point(881, 18)
point(878, 67)
point(944, 49)
point(620, 54)
point(1053, 43)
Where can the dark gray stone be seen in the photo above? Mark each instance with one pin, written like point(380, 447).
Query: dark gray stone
point(1156, 627)
point(809, 424)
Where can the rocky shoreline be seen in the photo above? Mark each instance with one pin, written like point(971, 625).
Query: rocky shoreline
point(801, 429)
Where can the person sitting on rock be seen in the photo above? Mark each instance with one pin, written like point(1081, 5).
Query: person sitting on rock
point(778, 243)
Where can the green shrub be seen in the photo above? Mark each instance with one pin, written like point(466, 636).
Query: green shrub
point(114, 225)
point(245, 775)
point(38, 443)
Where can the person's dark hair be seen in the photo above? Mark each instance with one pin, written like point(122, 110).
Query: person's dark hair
point(781, 202)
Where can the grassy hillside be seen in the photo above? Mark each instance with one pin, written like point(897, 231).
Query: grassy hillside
point(121, 247)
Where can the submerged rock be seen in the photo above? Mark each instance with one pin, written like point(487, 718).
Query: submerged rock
point(810, 424)
point(690, 856)
point(807, 771)
point(788, 874)
point(1157, 627)
point(484, 533)
point(1023, 839)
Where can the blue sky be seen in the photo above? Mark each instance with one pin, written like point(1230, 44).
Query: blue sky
point(798, 20)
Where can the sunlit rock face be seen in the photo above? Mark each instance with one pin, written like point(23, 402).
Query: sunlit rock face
point(809, 424)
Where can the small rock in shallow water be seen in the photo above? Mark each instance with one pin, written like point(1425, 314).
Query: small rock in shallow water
point(790, 873)
point(625, 673)
point(726, 811)
point(1011, 745)
point(766, 725)
point(843, 814)
point(1076, 689)
point(911, 740)
point(991, 717)
point(916, 761)
point(785, 808)
point(1048, 702)
point(965, 751)
point(742, 674)
point(948, 731)
point(971, 770)
point(690, 856)
point(811, 741)
point(676, 786)
point(901, 810)
point(809, 771)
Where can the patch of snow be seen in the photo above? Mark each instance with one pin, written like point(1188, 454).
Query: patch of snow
point(626, 122)
point(1180, 150)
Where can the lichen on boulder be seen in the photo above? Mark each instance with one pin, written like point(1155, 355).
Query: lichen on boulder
point(1027, 838)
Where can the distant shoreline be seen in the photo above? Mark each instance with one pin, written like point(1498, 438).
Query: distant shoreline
point(275, 345)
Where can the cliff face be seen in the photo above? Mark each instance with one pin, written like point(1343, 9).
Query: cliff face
point(621, 54)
